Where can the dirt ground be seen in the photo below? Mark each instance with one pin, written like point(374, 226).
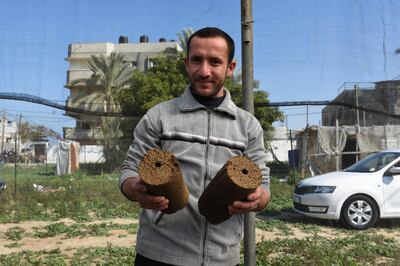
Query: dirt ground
point(66, 245)
point(125, 239)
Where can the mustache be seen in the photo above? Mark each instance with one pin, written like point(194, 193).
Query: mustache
point(203, 79)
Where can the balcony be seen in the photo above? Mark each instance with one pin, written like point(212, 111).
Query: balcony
point(77, 74)
point(84, 136)
point(74, 103)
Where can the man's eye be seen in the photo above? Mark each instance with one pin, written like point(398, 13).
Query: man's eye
point(215, 62)
point(195, 60)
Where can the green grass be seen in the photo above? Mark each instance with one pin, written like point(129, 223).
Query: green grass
point(83, 197)
point(53, 258)
point(281, 196)
point(274, 225)
point(14, 233)
point(79, 197)
point(110, 255)
point(359, 249)
point(82, 230)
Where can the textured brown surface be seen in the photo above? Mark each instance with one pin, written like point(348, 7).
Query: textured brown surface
point(162, 176)
point(234, 181)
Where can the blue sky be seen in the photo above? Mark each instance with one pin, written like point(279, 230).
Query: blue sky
point(303, 50)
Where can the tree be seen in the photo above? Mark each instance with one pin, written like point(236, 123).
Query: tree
point(183, 37)
point(265, 115)
point(30, 132)
point(111, 74)
point(168, 79)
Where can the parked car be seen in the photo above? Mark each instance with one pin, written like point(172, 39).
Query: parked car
point(357, 196)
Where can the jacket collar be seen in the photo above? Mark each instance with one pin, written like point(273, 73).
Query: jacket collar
point(190, 104)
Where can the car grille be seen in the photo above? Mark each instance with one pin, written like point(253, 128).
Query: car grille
point(304, 190)
point(300, 207)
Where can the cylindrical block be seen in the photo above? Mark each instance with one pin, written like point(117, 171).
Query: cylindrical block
point(162, 176)
point(238, 178)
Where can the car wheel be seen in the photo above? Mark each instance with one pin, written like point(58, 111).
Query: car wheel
point(359, 212)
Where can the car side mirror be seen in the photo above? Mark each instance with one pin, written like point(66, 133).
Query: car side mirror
point(394, 171)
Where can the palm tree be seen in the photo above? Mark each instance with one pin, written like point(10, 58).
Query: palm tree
point(184, 36)
point(111, 74)
point(109, 77)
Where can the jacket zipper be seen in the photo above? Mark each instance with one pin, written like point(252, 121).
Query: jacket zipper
point(204, 181)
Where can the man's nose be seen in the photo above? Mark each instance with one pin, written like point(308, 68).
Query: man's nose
point(204, 70)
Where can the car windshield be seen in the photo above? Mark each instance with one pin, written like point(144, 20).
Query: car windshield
point(373, 162)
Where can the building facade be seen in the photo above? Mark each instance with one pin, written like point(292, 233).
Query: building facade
point(138, 56)
point(383, 98)
point(8, 134)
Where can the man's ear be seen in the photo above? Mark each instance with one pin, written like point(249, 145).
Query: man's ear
point(185, 62)
point(231, 68)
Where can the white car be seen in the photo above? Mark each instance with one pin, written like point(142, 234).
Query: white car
point(357, 196)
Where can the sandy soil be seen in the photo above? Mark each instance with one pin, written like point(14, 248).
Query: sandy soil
point(125, 239)
point(67, 245)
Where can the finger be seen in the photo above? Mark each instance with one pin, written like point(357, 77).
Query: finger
point(254, 196)
point(154, 207)
point(240, 207)
point(153, 202)
point(245, 205)
point(234, 211)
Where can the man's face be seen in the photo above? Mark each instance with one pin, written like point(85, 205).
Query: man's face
point(207, 65)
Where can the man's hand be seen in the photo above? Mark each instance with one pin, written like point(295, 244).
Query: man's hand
point(256, 201)
point(134, 189)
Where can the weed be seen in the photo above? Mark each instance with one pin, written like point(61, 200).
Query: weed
point(14, 233)
point(52, 257)
point(12, 245)
point(109, 255)
point(81, 230)
point(79, 196)
point(359, 249)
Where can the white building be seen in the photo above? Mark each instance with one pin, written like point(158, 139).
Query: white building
point(139, 56)
point(8, 131)
point(281, 144)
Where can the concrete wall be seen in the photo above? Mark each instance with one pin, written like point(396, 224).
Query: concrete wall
point(384, 97)
point(281, 144)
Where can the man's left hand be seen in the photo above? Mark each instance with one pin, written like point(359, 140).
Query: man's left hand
point(256, 201)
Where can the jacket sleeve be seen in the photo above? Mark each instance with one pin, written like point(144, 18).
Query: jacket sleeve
point(145, 138)
point(256, 152)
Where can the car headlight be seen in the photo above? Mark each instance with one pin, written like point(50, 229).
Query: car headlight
point(307, 189)
point(324, 189)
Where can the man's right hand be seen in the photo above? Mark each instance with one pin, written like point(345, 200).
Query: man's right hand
point(134, 189)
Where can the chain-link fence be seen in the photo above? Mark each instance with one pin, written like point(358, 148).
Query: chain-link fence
point(309, 151)
point(292, 154)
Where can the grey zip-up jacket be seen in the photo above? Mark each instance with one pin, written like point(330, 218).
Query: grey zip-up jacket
point(202, 140)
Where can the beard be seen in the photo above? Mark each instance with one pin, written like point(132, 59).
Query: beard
point(206, 88)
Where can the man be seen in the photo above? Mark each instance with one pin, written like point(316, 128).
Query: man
point(203, 128)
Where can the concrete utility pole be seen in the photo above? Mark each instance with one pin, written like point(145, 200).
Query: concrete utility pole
point(248, 104)
point(247, 55)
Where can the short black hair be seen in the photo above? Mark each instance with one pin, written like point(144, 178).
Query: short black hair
point(210, 32)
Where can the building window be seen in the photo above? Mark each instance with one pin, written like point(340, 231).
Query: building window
point(82, 124)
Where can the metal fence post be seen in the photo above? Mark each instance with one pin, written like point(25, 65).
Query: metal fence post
point(337, 144)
